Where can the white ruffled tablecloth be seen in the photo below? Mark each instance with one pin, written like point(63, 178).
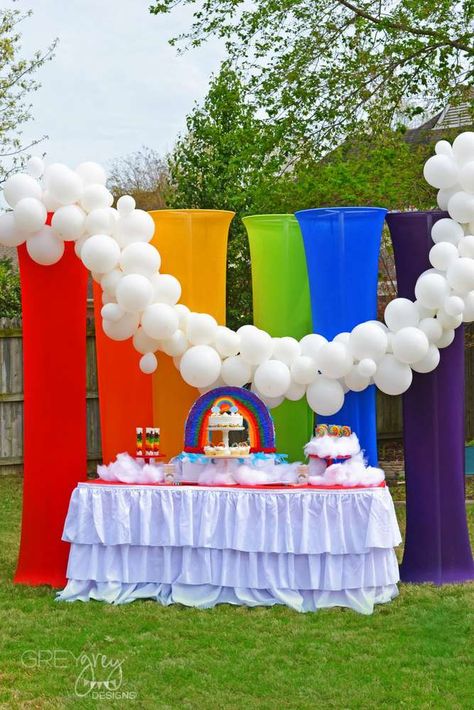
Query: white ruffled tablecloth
point(304, 548)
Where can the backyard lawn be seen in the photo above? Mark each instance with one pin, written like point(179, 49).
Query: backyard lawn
point(417, 651)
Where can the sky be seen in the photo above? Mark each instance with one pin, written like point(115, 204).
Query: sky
point(114, 84)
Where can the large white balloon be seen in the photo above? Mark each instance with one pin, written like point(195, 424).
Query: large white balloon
point(134, 292)
point(159, 321)
point(453, 305)
point(100, 253)
point(432, 328)
point(44, 247)
point(442, 254)
point(176, 345)
point(101, 221)
point(466, 176)
point(96, 197)
point(410, 345)
point(19, 186)
point(311, 343)
point(69, 222)
point(334, 360)
point(286, 349)
point(466, 246)
point(463, 147)
point(136, 226)
point(446, 230)
point(142, 342)
point(272, 378)
point(440, 171)
point(201, 328)
point(392, 376)
point(303, 370)
point(368, 340)
point(460, 274)
point(295, 392)
point(429, 363)
point(10, 235)
point(431, 290)
point(461, 206)
point(123, 328)
point(325, 396)
point(140, 258)
point(226, 342)
point(355, 381)
point(167, 288)
point(401, 313)
point(30, 214)
point(200, 366)
point(236, 372)
point(63, 183)
point(91, 173)
point(256, 345)
point(445, 340)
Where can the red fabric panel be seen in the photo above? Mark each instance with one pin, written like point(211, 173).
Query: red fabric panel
point(125, 393)
point(54, 372)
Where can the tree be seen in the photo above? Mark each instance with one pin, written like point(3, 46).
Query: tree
point(10, 293)
point(322, 69)
point(144, 175)
point(222, 162)
point(16, 83)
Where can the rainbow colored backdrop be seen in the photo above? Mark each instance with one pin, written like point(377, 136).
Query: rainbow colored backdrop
point(253, 410)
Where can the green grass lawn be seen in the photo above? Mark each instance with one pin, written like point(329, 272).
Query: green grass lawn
point(417, 651)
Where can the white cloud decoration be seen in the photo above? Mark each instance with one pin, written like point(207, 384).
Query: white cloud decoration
point(141, 303)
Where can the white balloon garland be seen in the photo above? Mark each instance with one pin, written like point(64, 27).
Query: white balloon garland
point(141, 303)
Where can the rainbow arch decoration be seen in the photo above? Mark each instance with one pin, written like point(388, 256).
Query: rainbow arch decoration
point(251, 407)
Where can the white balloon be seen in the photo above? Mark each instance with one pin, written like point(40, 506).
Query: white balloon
point(446, 230)
point(159, 321)
point(200, 366)
point(107, 298)
point(431, 290)
point(236, 372)
point(355, 381)
point(100, 253)
point(110, 281)
point(123, 328)
point(126, 204)
point(295, 392)
point(425, 312)
point(272, 378)
point(140, 258)
point(226, 342)
point(96, 197)
point(453, 306)
point(368, 340)
point(201, 328)
point(269, 402)
point(440, 171)
point(429, 363)
point(466, 246)
point(444, 196)
point(468, 311)
point(182, 312)
point(344, 338)
point(442, 254)
point(392, 376)
point(410, 345)
point(303, 370)
point(69, 222)
point(148, 363)
point(432, 328)
point(50, 202)
point(256, 346)
point(44, 247)
point(400, 313)
point(334, 360)
point(10, 235)
point(444, 148)
point(136, 226)
point(466, 176)
point(112, 312)
point(143, 343)
point(448, 322)
point(35, 167)
point(166, 288)
point(367, 367)
point(325, 396)
point(286, 349)
point(63, 183)
point(30, 214)
point(134, 292)
point(460, 274)
point(311, 344)
point(91, 173)
point(176, 345)
point(463, 147)
point(445, 340)
point(102, 220)
point(19, 186)
point(461, 206)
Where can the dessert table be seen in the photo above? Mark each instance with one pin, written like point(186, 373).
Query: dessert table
point(200, 546)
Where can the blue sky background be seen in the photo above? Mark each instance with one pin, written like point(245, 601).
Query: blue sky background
point(115, 84)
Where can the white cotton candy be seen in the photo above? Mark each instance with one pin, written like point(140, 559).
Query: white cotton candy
point(128, 470)
point(333, 446)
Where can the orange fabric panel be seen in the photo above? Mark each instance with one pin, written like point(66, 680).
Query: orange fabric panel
point(193, 247)
point(125, 393)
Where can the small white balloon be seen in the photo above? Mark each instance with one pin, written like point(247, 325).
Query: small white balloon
point(446, 230)
point(356, 382)
point(100, 253)
point(367, 367)
point(442, 254)
point(200, 366)
point(176, 345)
point(453, 305)
point(448, 322)
point(235, 371)
point(393, 377)
point(440, 171)
point(148, 363)
point(431, 290)
point(112, 312)
point(226, 342)
point(334, 360)
point(460, 275)
point(444, 196)
point(96, 197)
point(110, 281)
point(311, 344)
point(140, 258)
point(166, 288)
point(35, 167)
point(256, 346)
point(143, 343)
point(295, 392)
point(344, 338)
point(325, 396)
point(182, 312)
point(445, 340)
point(429, 363)
point(461, 206)
point(123, 328)
point(102, 220)
point(410, 345)
point(126, 204)
point(136, 226)
point(50, 202)
point(368, 340)
point(303, 370)
point(134, 292)
point(69, 222)
point(286, 349)
point(201, 328)
point(466, 246)
point(44, 247)
point(19, 186)
point(91, 173)
point(424, 311)
point(432, 328)
point(159, 320)
point(272, 378)
point(444, 148)
point(10, 235)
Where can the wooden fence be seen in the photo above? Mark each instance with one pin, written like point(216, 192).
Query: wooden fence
point(389, 414)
